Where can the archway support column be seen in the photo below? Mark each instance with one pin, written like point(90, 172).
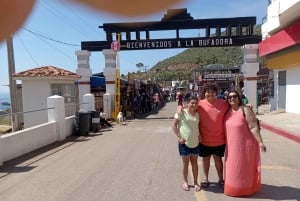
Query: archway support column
point(83, 69)
point(249, 68)
point(110, 81)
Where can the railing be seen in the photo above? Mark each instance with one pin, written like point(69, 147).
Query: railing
point(8, 118)
point(55, 128)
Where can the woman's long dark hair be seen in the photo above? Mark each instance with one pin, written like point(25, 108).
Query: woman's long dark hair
point(192, 98)
point(238, 96)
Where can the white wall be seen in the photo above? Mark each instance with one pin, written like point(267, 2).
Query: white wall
point(280, 14)
point(24, 141)
point(292, 90)
point(18, 143)
point(70, 125)
point(35, 92)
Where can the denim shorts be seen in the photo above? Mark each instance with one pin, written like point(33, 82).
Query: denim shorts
point(186, 151)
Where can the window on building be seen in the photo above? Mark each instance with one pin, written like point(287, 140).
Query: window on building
point(65, 90)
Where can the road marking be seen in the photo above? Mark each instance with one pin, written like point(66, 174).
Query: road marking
point(200, 196)
point(269, 167)
point(288, 134)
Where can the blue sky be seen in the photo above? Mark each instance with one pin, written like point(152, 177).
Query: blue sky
point(71, 24)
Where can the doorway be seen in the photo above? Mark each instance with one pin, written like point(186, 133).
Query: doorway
point(281, 89)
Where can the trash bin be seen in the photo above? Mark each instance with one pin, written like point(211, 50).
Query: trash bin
point(94, 121)
point(83, 122)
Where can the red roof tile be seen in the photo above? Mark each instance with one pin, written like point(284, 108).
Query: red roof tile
point(47, 71)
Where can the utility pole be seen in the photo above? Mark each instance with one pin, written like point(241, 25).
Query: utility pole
point(12, 83)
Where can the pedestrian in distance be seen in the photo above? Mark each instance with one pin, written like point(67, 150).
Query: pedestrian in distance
point(180, 98)
point(103, 120)
point(211, 127)
point(185, 127)
point(244, 143)
point(244, 99)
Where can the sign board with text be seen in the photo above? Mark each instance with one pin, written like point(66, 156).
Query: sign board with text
point(217, 32)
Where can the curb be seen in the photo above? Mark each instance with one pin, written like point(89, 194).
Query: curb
point(279, 131)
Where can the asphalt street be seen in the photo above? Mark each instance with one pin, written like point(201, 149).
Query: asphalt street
point(138, 161)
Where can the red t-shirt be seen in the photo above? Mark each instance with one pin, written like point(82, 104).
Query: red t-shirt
point(211, 125)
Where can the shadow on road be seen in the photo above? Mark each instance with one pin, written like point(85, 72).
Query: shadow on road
point(278, 193)
point(24, 163)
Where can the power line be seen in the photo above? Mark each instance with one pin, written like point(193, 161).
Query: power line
point(62, 17)
point(56, 49)
point(28, 52)
point(48, 38)
point(42, 38)
point(85, 22)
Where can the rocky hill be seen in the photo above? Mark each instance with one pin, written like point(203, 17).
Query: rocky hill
point(181, 66)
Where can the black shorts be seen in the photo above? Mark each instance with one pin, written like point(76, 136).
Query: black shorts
point(207, 150)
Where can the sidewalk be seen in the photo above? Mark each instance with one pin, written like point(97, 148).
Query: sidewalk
point(284, 124)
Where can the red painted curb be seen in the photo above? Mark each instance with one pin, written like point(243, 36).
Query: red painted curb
point(279, 131)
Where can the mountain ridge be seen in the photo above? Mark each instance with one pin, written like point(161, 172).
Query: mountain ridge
point(182, 65)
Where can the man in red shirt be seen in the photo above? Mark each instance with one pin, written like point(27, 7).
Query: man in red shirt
point(212, 111)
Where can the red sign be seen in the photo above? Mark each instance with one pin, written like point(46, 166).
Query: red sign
point(283, 39)
point(115, 46)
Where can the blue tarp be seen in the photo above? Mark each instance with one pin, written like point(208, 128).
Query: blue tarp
point(97, 82)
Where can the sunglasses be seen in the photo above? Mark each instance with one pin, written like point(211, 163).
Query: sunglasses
point(232, 96)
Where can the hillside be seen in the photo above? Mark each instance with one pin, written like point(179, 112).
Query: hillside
point(181, 66)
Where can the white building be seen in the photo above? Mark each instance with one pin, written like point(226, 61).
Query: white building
point(40, 83)
point(281, 49)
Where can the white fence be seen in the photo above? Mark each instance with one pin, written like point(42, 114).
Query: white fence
point(57, 128)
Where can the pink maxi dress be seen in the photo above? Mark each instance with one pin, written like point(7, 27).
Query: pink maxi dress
point(242, 157)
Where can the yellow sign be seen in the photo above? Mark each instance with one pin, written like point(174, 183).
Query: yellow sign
point(117, 88)
point(117, 94)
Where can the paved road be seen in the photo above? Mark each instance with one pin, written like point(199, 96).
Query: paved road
point(135, 162)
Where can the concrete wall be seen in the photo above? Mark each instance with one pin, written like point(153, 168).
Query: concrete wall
point(21, 142)
point(280, 14)
point(35, 92)
point(27, 140)
point(57, 128)
point(292, 90)
point(70, 125)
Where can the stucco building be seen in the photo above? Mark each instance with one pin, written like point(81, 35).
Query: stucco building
point(280, 49)
point(40, 83)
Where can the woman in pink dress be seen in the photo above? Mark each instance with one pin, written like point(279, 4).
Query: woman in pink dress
point(243, 144)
